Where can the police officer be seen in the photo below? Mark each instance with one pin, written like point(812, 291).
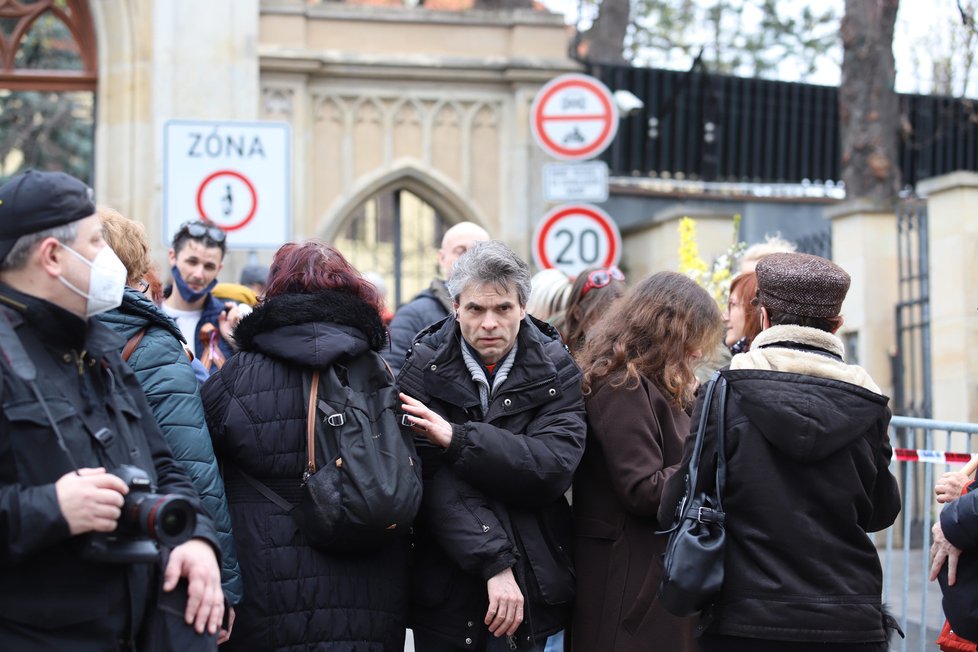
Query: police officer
point(64, 583)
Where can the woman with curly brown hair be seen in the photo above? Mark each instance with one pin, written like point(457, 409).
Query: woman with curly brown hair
point(638, 386)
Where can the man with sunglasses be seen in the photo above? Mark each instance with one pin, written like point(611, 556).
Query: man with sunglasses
point(207, 323)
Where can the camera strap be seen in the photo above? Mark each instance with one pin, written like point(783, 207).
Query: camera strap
point(20, 364)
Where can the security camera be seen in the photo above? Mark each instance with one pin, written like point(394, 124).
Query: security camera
point(627, 103)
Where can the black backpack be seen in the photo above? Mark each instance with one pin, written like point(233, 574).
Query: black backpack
point(364, 486)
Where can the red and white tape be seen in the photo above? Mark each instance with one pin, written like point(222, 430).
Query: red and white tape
point(929, 457)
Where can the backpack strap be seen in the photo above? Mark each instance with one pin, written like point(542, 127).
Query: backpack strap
point(311, 425)
point(133, 343)
point(265, 491)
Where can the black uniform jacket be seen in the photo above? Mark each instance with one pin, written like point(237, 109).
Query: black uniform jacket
point(46, 584)
point(495, 498)
point(807, 479)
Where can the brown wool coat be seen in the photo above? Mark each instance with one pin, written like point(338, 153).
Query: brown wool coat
point(634, 444)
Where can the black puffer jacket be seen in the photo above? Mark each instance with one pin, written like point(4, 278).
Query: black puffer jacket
point(807, 478)
point(495, 498)
point(295, 596)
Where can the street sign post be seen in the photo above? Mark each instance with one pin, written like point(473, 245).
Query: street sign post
point(235, 175)
point(574, 117)
point(573, 237)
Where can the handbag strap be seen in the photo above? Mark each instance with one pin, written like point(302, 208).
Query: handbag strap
point(721, 471)
point(694, 460)
point(692, 472)
point(311, 424)
point(132, 343)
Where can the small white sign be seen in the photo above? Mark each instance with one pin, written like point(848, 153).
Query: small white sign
point(235, 175)
point(575, 182)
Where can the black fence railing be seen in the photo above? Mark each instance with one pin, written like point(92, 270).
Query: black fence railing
point(702, 126)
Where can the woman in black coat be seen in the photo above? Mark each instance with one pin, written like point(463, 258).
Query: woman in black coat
point(317, 310)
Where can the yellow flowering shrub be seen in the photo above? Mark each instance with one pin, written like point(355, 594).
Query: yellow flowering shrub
point(715, 278)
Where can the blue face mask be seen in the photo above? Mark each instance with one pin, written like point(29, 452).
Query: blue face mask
point(189, 295)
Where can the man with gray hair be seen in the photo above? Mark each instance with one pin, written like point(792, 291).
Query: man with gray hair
point(495, 400)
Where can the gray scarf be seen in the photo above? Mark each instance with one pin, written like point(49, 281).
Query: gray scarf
point(479, 375)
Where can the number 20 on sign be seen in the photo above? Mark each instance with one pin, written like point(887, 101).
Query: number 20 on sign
point(573, 237)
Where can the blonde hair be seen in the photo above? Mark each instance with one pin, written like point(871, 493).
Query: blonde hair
point(773, 244)
point(128, 240)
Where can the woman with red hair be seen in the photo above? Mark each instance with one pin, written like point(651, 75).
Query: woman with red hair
point(741, 318)
point(317, 311)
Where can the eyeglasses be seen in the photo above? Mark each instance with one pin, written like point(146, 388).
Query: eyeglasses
point(202, 229)
point(601, 277)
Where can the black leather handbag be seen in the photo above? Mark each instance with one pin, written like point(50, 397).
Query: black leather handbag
point(693, 561)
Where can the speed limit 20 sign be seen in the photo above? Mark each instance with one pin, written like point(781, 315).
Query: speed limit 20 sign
point(573, 237)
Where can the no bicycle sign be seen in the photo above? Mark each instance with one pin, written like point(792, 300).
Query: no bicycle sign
point(574, 117)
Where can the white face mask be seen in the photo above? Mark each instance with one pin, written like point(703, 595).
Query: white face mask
point(106, 281)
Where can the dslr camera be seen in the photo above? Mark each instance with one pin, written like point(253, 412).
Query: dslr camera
point(147, 519)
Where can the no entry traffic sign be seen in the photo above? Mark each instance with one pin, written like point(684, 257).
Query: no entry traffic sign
point(573, 237)
point(574, 117)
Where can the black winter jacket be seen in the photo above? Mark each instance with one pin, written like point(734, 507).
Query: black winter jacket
point(807, 479)
point(50, 593)
point(430, 305)
point(296, 597)
point(495, 498)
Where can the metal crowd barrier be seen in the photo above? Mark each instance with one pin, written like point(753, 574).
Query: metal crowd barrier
point(928, 449)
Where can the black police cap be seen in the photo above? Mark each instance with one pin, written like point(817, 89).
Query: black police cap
point(35, 201)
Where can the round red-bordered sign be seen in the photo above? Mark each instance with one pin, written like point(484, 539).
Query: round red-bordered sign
point(234, 226)
point(573, 237)
point(574, 117)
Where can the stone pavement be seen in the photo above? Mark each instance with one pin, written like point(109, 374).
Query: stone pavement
point(906, 585)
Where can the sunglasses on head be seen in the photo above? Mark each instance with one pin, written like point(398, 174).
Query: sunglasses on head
point(202, 229)
point(602, 277)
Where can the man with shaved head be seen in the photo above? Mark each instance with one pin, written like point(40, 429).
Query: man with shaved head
point(434, 302)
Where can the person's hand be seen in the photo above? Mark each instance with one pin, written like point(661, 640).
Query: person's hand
point(90, 500)
point(942, 550)
point(505, 613)
point(196, 561)
point(228, 320)
point(429, 423)
point(949, 486)
point(225, 634)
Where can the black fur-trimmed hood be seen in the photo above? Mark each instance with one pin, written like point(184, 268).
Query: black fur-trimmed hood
point(312, 329)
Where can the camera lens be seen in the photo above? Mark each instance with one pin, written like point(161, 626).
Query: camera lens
point(173, 523)
point(167, 518)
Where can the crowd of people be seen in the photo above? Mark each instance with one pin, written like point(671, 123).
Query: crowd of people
point(551, 418)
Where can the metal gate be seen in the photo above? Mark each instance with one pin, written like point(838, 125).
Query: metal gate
point(911, 360)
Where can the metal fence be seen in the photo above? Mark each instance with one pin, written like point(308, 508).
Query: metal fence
point(905, 546)
point(712, 127)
